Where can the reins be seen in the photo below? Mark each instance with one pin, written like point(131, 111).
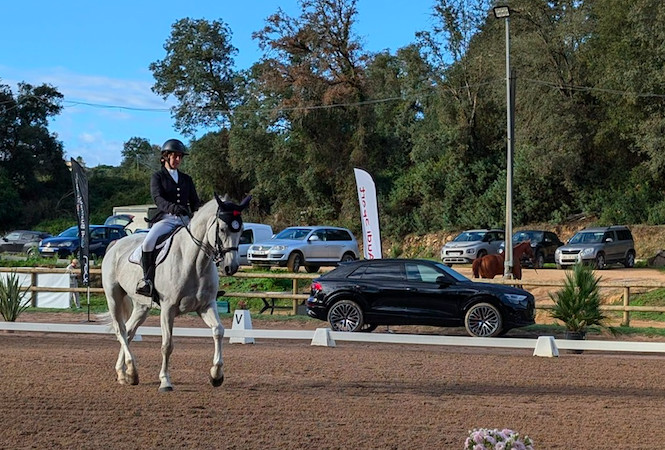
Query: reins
point(215, 253)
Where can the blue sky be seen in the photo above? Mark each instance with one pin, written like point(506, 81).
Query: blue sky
point(99, 52)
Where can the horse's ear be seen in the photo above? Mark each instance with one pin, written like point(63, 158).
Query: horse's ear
point(219, 200)
point(245, 202)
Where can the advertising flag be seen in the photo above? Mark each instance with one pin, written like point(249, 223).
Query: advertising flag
point(369, 214)
point(82, 213)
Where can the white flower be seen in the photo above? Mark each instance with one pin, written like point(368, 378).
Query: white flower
point(494, 439)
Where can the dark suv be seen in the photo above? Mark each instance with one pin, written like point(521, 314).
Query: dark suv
point(598, 246)
point(543, 243)
point(17, 240)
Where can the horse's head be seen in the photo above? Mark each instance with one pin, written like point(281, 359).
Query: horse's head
point(229, 220)
point(527, 250)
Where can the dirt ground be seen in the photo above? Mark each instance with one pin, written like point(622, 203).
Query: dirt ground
point(59, 391)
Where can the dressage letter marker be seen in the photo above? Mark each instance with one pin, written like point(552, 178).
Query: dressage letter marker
point(241, 321)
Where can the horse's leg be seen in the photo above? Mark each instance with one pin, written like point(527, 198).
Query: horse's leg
point(139, 314)
point(125, 366)
point(166, 321)
point(211, 318)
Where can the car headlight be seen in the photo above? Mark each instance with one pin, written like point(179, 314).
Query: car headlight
point(279, 248)
point(516, 299)
point(471, 251)
point(557, 252)
point(587, 252)
point(66, 244)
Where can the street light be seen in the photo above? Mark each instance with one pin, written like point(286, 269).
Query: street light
point(503, 12)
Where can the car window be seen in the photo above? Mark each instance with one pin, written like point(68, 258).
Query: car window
point(293, 233)
point(589, 237)
point(421, 272)
point(339, 235)
point(247, 237)
point(609, 235)
point(12, 236)
point(624, 235)
point(393, 272)
point(114, 234)
point(70, 232)
point(470, 236)
point(321, 234)
point(358, 273)
point(99, 233)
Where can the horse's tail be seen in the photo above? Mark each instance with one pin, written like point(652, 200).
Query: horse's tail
point(476, 268)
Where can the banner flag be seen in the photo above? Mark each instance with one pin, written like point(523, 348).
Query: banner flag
point(82, 213)
point(369, 214)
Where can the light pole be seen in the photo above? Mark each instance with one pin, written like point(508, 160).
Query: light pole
point(503, 12)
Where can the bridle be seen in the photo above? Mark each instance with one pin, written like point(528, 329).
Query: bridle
point(216, 253)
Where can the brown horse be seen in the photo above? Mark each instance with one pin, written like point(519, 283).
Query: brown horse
point(490, 266)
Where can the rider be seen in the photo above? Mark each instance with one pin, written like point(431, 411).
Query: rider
point(176, 198)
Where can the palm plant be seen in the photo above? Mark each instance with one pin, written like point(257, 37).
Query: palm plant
point(12, 302)
point(577, 303)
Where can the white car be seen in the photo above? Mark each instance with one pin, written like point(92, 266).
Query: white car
point(251, 233)
point(472, 244)
point(311, 247)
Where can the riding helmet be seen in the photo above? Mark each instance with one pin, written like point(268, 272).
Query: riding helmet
point(174, 146)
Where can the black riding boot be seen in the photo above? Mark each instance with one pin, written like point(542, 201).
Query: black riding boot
point(145, 286)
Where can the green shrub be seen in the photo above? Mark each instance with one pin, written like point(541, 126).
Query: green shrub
point(577, 303)
point(12, 302)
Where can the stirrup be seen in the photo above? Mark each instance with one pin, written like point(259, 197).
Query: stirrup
point(145, 288)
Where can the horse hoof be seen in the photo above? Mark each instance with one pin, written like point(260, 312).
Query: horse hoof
point(166, 389)
point(216, 382)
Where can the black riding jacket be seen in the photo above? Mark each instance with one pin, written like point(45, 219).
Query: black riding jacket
point(168, 194)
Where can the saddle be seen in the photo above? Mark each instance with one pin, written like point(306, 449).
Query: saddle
point(161, 249)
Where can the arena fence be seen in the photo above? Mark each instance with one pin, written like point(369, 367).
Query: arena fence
point(298, 297)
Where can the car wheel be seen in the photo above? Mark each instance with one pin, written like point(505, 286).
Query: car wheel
point(348, 257)
point(630, 260)
point(600, 261)
point(294, 262)
point(483, 320)
point(312, 269)
point(346, 315)
point(449, 265)
point(31, 252)
point(539, 260)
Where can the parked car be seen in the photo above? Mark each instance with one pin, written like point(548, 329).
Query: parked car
point(360, 295)
point(311, 247)
point(251, 233)
point(543, 243)
point(599, 247)
point(472, 244)
point(68, 242)
point(18, 239)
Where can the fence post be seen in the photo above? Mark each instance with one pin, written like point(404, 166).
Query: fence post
point(33, 296)
point(295, 300)
point(626, 302)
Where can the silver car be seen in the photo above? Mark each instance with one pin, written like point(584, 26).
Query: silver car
point(599, 247)
point(311, 247)
point(472, 244)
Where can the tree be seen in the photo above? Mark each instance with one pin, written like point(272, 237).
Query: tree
point(31, 158)
point(198, 72)
point(139, 157)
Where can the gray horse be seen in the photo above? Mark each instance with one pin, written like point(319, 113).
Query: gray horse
point(186, 281)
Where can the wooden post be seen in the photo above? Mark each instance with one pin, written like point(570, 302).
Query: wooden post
point(626, 302)
point(295, 300)
point(33, 296)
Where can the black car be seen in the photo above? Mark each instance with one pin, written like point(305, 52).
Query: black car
point(543, 244)
point(17, 240)
point(360, 295)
